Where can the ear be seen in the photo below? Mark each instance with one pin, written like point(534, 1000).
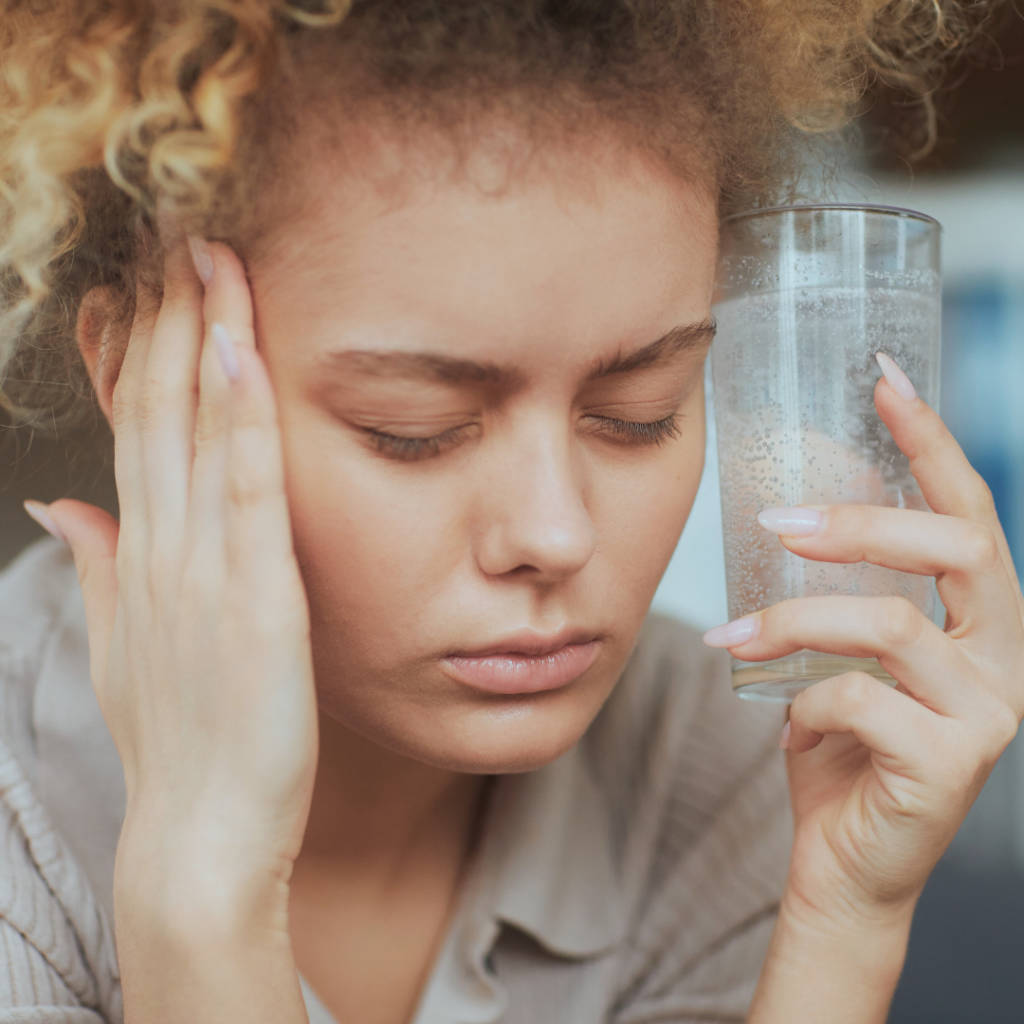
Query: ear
point(102, 335)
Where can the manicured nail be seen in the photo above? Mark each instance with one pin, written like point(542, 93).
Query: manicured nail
point(226, 351)
point(898, 380)
point(38, 511)
point(784, 738)
point(792, 522)
point(732, 634)
point(201, 258)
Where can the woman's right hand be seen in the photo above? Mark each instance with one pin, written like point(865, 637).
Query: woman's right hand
point(199, 646)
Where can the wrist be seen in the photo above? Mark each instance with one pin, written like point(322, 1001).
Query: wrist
point(843, 916)
point(189, 883)
point(201, 940)
point(868, 945)
point(832, 966)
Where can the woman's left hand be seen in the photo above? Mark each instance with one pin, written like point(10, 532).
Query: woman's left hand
point(881, 778)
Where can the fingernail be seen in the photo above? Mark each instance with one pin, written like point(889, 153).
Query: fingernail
point(784, 738)
point(37, 510)
point(732, 634)
point(201, 258)
point(898, 380)
point(792, 522)
point(226, 351)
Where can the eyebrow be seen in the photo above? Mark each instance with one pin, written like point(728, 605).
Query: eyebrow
point(679, 339)
point(425, 366)
point(451, 370)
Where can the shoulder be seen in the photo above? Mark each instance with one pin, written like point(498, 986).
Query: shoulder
point(696, 788)
point(58, 964)
point(33, 589)
point(674, 721)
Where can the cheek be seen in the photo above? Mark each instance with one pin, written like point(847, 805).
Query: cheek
point(376, 548)
point(641, 511)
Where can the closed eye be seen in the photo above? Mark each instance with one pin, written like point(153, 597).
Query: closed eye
point(411, 449)
point(639, 433)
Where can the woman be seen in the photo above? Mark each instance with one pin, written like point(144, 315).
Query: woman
point(399, 319)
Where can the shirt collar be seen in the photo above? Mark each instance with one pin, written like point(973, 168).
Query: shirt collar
point(548, 849)
point(545, 866)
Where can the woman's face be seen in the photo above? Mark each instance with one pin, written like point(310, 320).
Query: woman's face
point(492, 407)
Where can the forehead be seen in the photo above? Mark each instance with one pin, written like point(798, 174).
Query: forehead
point(560, 250)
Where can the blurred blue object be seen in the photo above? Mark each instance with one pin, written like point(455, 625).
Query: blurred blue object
point(983, 388)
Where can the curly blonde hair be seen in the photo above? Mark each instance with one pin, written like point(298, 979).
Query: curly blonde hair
point(110, 109)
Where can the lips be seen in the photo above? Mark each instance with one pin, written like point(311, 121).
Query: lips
point(527, 663)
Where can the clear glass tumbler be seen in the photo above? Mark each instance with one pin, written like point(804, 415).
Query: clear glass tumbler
point(806, 296)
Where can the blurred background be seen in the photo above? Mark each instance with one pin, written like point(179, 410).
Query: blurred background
point(966, 959)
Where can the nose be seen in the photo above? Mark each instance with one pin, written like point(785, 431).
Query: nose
point(534, 519)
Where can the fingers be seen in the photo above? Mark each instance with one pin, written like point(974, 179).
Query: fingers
point(92, 536)
point(165, 404)
point(906, 739)
point(228, 300)
point(173, 408)
point(258, 525)
point(229, 330)
point(913, 650)
point(158, 400)
point(949, 483)
point(129, 461)
point(241, 526)
point(963, 554)
point(889, 722)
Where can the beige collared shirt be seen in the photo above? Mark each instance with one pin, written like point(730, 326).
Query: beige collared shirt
point(634, 880)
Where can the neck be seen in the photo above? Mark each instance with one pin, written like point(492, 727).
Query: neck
point(375, 808)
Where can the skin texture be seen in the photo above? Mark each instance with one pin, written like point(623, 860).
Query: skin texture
point(272, 566)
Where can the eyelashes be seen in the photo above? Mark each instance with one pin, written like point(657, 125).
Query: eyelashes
point(655, 433)
point(412, 449)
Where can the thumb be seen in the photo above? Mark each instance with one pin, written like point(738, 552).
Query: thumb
point(91, 534)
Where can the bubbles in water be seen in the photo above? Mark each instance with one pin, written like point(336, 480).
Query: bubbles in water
point(794, 381)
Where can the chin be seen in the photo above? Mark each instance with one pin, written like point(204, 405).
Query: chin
point(512, 739)
point(492, 735)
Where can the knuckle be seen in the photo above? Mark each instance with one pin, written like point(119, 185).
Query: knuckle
point(248, 488)
point(982, 499)
point(979, 745)
point(981, 550)
point(855, 691)
point(210, 423)
point(1002, 726)
point(253, 419)
point(899, 622)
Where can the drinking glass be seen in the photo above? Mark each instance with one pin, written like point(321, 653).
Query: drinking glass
point(806, 296)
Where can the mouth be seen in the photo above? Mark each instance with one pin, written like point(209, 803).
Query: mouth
point(526, 663)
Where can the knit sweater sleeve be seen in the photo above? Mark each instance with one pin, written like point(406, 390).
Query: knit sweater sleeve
point(56, 953)
point(57, 958)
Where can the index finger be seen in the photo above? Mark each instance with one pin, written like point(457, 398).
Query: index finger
point(949, 483)
point(228, 300)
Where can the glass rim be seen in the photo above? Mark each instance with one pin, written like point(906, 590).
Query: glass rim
point(892, 211)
